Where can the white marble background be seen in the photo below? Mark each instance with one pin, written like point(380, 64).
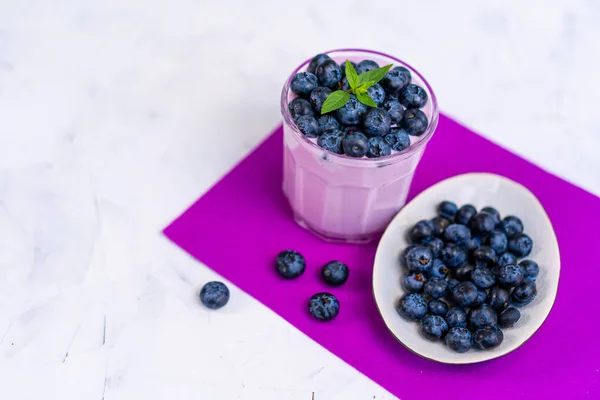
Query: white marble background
point(115, 115)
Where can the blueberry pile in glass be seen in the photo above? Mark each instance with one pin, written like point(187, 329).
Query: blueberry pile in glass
point(356, 129)
point(466, 277)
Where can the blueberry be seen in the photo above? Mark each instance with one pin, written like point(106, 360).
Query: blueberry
point(436, 287)
point(457, 233)
point(434, 327)
point(472, 244)
point(465, 294)
point(436, 245)
point(214, 295)
point(456, 317)
point(438, 307)
point(493, 212)
point(351, 129)
point(453, 256)
point(378, 148)
point(414, 122)
point(394, 108)
point(328, 73)
point(317, 98)
point(437, 269)
point(497, 241)
point(405, 253)
point(377, 93)
point(483, 278)
point(290, 264)
point(459, 339)
point(314, 63)
point(481, 316)
point(377, 122)
point(331, 141)
point(481, 298)
point(405, 71)
point(398, 139)
point(447, 209)
point(483, 224)
point(520, 245)
point(308, 125)
point(421, 232)
point(355, 144)
point(509, 317)
point(509, 275)
point(439, 226)
point(335, 273)
point(499, 298)
point(412, 306)
point(524, 293)
point(418, 259)
point(506, 258)
point(531, 269)
point(366, 65)
point(351, 112)
point(324, 306)
point(328, 123)
point(299, 107)
point(488, 337)
point(343, 67)
point(463, 273)
point(452, 283)
point(395, 80)
point(413, 96)
point(465, 214)
point(485, 256)
point(343, 84)
point(413, 282)
point(303, 83)
point(512, 226)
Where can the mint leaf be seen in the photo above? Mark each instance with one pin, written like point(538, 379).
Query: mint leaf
point(351, 75)
point(365, 99)
point(374, 76)
point(334, 101)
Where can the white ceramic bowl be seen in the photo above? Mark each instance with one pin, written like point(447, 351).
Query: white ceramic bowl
point(480, 190)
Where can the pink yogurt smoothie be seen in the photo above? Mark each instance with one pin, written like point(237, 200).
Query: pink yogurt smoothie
point(347, 199)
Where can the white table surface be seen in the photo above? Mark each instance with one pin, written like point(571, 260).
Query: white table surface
point(116, 115)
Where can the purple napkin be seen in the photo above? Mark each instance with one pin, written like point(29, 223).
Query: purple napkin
point(240, 225)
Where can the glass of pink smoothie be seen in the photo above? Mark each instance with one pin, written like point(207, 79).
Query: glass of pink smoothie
point(345, 199)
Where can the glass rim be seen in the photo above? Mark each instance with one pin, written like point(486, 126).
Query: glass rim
point(395, 156)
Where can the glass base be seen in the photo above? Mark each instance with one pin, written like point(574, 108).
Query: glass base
point(333, 238)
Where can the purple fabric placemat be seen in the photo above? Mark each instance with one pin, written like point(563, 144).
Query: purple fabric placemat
point(240, 225)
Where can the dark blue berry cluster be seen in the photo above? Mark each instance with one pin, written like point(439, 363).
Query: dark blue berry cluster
point(464, 280)
point(356, 129)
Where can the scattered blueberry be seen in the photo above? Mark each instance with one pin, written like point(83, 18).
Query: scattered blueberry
point(351, 112)
point(447, 209)
point(413, 96)
point(438, 307)
point(483, 224)
point(335, 273)
point(324, 306)
point(413, 282)
point(328, 73)
point(331, 141)
point(290, 264)
point(465, 294)
point(394, 109)
point(414, 122)
point(328, 123)
point(506, 258)
point(439, 226)
point(434, 327)
point(509, 275)
point(303, 83)
point(465, 214)
point(436, 245)
point(214, 295)
point(493, 212)
point(314, 63)
point(309, 126)
point(356, 144)
point(452, 283)
point(377, 93)
point(509, 317)
point(485, 256)
point(512, 226)
point(459, 339)
point(497, 241)
point(483, 278)
point(395, 80)
point(299, 107)
point(456, 317)
point(531, 269)
point(457, 233)
point(488, 337)
point(317, 98)
point(499, 298)
point(366, 65)
point(436, 287)
point(419, 259)
point(520, 245)
point(481, 316)
point(406, 73)
point(524, 293)
point(412, 306)
point(453, 256)
point(377, 122)
point(398, 139)
point(463, 273)
point(421, 232)
point(378, 148)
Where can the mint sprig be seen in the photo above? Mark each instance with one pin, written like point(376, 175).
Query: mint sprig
point(358, 87)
